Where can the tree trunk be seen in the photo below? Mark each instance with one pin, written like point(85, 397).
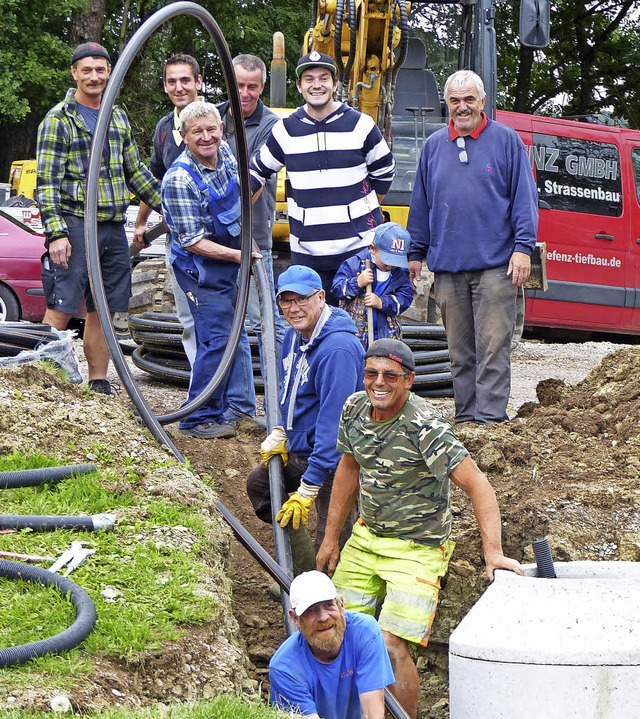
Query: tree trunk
point(87, 24)
point(521, 100)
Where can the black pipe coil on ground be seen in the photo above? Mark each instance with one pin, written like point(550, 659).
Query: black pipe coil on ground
point(86, 614)
point(46, 523)
point(42, 475)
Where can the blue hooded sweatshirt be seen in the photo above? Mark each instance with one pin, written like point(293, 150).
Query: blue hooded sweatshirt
point(318, 376)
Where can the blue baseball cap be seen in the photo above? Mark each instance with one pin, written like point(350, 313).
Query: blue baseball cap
point(393, 241)
point(299, 279)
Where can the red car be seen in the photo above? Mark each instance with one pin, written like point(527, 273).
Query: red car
point(21, 250)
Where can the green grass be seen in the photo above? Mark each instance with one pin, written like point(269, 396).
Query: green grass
point(221, 708)
point(153, 591)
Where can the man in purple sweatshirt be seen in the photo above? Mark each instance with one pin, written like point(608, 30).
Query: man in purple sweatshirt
point(474, 217)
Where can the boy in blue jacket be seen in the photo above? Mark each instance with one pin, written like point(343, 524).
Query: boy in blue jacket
point(383, 265)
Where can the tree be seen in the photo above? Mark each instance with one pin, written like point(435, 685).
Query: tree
point(38, 41)
point(589, 67)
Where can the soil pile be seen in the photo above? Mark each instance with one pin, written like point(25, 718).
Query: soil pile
point(566, 468)
point(41, 413)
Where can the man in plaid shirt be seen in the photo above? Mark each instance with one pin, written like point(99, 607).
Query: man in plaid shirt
point(201, 206)
point(64, 142)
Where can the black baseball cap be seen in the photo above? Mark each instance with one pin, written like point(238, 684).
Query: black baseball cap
point(315, 59)
point(394, 350)
point(89, 49)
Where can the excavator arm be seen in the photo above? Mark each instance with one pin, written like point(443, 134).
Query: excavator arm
point(368, 40)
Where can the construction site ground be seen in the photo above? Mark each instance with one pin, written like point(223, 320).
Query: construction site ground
point(567, 467)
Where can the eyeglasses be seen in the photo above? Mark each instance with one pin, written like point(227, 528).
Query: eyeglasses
point(463, 157)
point(299, 301)
point(389, 377)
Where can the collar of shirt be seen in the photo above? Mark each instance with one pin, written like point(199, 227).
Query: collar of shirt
point(255, 118)
point(475, 134)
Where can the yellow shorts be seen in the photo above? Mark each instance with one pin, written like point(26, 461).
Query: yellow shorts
point(400, 578)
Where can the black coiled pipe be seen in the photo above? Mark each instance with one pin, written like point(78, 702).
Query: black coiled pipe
point(48, 523)
point(42, 475)
point(86, 614)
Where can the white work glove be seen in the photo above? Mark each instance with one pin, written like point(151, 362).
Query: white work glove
point(296, 508)
point(275, 444)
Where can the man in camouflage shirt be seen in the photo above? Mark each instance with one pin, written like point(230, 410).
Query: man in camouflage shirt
point(399, 458)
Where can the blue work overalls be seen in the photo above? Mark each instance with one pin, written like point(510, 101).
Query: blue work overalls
point(211, 289)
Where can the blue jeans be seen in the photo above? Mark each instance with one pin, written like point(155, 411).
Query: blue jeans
point(479, 312)
point(211, 309)
point(241, 392)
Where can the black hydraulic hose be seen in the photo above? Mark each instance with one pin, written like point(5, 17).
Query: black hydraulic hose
point(404, 37)
point(337, 41)
point(271, 385)
point(314, 19)
point(95, 275)
point(49, 523)
point(41, 475)
point(86, 614)
point(352, 41)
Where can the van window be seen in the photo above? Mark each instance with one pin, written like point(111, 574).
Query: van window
point(577, 175)
point(635, 161)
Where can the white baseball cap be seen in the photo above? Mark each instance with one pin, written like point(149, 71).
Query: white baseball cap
point(310, 588)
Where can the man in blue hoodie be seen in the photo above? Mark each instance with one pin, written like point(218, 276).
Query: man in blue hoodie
point(322, 365)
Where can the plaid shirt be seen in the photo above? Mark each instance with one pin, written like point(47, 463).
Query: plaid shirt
point(184, 207)
point(64, 143)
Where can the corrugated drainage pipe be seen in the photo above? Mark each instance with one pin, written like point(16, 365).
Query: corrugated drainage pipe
point(42, 475)
point(47, 523)
point(544, 560)
point(86, 614)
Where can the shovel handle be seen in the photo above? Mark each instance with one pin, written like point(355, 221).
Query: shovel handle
point(367, 264)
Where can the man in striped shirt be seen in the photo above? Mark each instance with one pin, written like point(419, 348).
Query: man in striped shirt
point(338, 169)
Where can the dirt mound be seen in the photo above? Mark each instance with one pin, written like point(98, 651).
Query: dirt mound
point(43, 414)
point(566, 469)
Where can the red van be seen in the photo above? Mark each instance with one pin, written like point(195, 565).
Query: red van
point(588, 179)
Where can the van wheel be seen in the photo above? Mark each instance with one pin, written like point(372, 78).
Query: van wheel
point(9, 307)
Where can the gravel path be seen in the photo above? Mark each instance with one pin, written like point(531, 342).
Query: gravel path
point(532, 361)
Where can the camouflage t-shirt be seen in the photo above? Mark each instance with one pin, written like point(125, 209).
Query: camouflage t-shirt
point(405, 464)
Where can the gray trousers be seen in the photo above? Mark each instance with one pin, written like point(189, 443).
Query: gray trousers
point(478, 312)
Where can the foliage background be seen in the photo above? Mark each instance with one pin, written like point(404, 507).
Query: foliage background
point(591, 66)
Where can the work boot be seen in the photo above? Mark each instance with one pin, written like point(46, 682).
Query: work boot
point(303, 555)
